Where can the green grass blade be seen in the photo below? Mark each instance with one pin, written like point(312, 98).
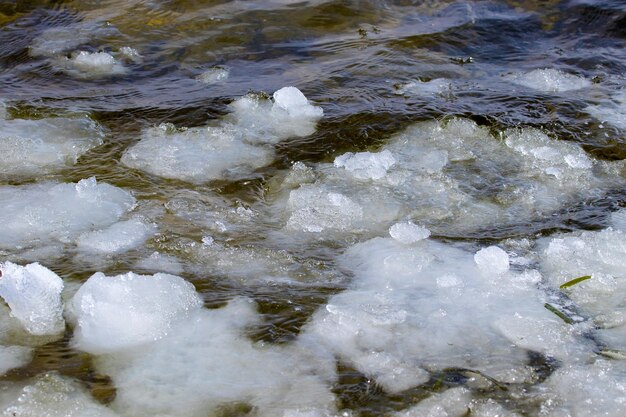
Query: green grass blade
point(575, 281)
point(559, 313)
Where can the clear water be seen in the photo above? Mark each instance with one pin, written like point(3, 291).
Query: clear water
point(376, 68)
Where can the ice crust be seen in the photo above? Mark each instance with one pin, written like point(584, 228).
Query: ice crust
point(236, 146)
point(169, 356)
point(51, 395)
point(53, 213)
point(33, 293)
point(427, 307)
point(35, 147)
point(451, 177)
point(113, 313)
point(550, 80)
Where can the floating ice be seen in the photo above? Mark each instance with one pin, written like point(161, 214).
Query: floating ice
point(366, 165)
point(117, 238)
point(174, 358)
point(597, 389)
point(40, 214)
point(14, 357)
point(429, 307)
point(408, 233)
point(57, 40)
point(85, 64)
point(451, 177)
point(159, 262)
point(34, 147)
point(33, 293)
point(602, 256)
point(436, 87)
point(492, 259)
point(214, 75)
point(266, 121)
point(550, 80)
point(233, 148)
point(52, 395)
point(113, 313)
point(454, 402)
point(196, 154)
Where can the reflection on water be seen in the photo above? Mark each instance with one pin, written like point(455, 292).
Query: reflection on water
point(489, 122)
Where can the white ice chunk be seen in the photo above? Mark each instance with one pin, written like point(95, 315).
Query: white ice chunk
point(33, 147)
point(436, 87)
point(39, 214)
point(14, 357)
point(206, 362)
point(117, 238)
point(408, 233)
point(453, 402)
point(492, 259)
point(214, 75)
point(289, 114)
point(196, 154)
point(366, 165)
point(51, 395)
point(113, 313)
point(597, 389)
point(33, 293)
point(550, 80)
point(131, 54)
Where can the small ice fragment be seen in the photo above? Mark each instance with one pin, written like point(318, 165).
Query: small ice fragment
point(214, 75)
point(492, 259)
point(91, 65)
point(113, 313)
point(408, 233)
point(118, 238)
point(296, 104)
point(33, 293)
point(161, 263)
point(366, 165)
point(207, 240)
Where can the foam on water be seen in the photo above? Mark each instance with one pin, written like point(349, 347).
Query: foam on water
point(48, 213)
point(52, 395)
point(214, 75)
point(33, 293)
point(427, 307)
point(451, 176)
point(35, 147)
point(113, 313)
point(550, 80)
point(234, 147)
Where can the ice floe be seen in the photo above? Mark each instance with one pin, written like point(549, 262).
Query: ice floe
point(550, 80)
point(169, 356)
point(428, 307)
point(234, 147)
point(451, 176)
point(57, 213)
point(38, 146)
point(117, 238)
point(52, 395)
point(84, 64)
point(113, 313)
point(33, 294)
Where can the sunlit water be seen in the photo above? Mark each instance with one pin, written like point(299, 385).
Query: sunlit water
point(388, 239)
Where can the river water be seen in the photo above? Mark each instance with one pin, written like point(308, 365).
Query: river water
point(376, 204)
